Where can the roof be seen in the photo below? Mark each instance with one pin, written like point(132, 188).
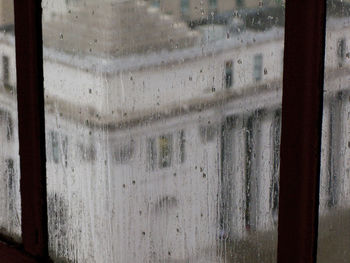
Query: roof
point(114, 65)
point(114, 29)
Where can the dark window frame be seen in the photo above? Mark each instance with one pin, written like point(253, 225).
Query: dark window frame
point(300, 143)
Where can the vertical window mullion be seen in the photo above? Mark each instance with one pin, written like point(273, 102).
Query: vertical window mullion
point(301, 130)
point(29, 63)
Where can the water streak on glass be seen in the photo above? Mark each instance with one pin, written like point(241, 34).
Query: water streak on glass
point(163, 129)
point(10, 200)
point(334, 210)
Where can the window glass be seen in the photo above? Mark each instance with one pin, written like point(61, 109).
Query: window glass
point(165, 150)
point(334, 209)
point(182, 146)
point(228, 74)
point(165, 129)
point(258, 64)
point(151, 153)
point(10, 201)
point(185, 4)
point(156, 3)
point(212, 4)
point(240, 3)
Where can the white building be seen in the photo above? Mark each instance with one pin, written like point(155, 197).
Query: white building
point(163, 156)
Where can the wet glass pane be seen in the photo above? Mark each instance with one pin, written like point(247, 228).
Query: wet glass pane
point(334, 222)
point(10, 200)
point(163, 129)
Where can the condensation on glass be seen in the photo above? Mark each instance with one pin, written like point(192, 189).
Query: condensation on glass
point(10, 201)
point(163, 129)
point(334, 210)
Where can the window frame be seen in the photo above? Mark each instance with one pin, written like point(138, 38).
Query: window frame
point(300, 136)
point(302, 106)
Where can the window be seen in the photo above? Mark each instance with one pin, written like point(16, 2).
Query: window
point(165, 143)
point(5, 70)
point(156, 3)
point(151, 154)
point(185, 5)
point(55, 146)
point(7, 124)
point(9, 133)
point(163, 149)
point(59, 148)
point(228, 74)
point(182, 146)
point(240, 3)
point(11, 185)
point(258, 67)
point(65, 150)
point(162, 222)
point(123, 151)
point(341, 50)
point(207, 133)
point(87, 152)
point(212, 5)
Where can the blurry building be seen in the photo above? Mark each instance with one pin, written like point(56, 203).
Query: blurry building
point(161, 145)
point(193, 10)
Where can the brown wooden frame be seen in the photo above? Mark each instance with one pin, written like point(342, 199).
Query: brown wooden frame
point(300, 147)
point(31, 126)
point(302, 100)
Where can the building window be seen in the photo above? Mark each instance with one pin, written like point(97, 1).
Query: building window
point(185, 6)
point(88, 152)
point(207, 133)
point(7, 123)
point(239, 3)
point(9, 132)
point(182, 142)
point(5, 70)
point(151, 154)
point(55, 147)
point(165, 150)
point(228, 74)
point(156, 3)
point(334, 149)
point(11, 184)
point(341, 51)
point(65, 150)
point(124, 152)
point(212, 5)
point(258, 66)
point(56, 151)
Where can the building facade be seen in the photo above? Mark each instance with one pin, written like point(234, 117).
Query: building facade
point(167, 155)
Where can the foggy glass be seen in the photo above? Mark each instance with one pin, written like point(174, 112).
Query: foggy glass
point(163, 129)
point(10, 200)
point(334, 211)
